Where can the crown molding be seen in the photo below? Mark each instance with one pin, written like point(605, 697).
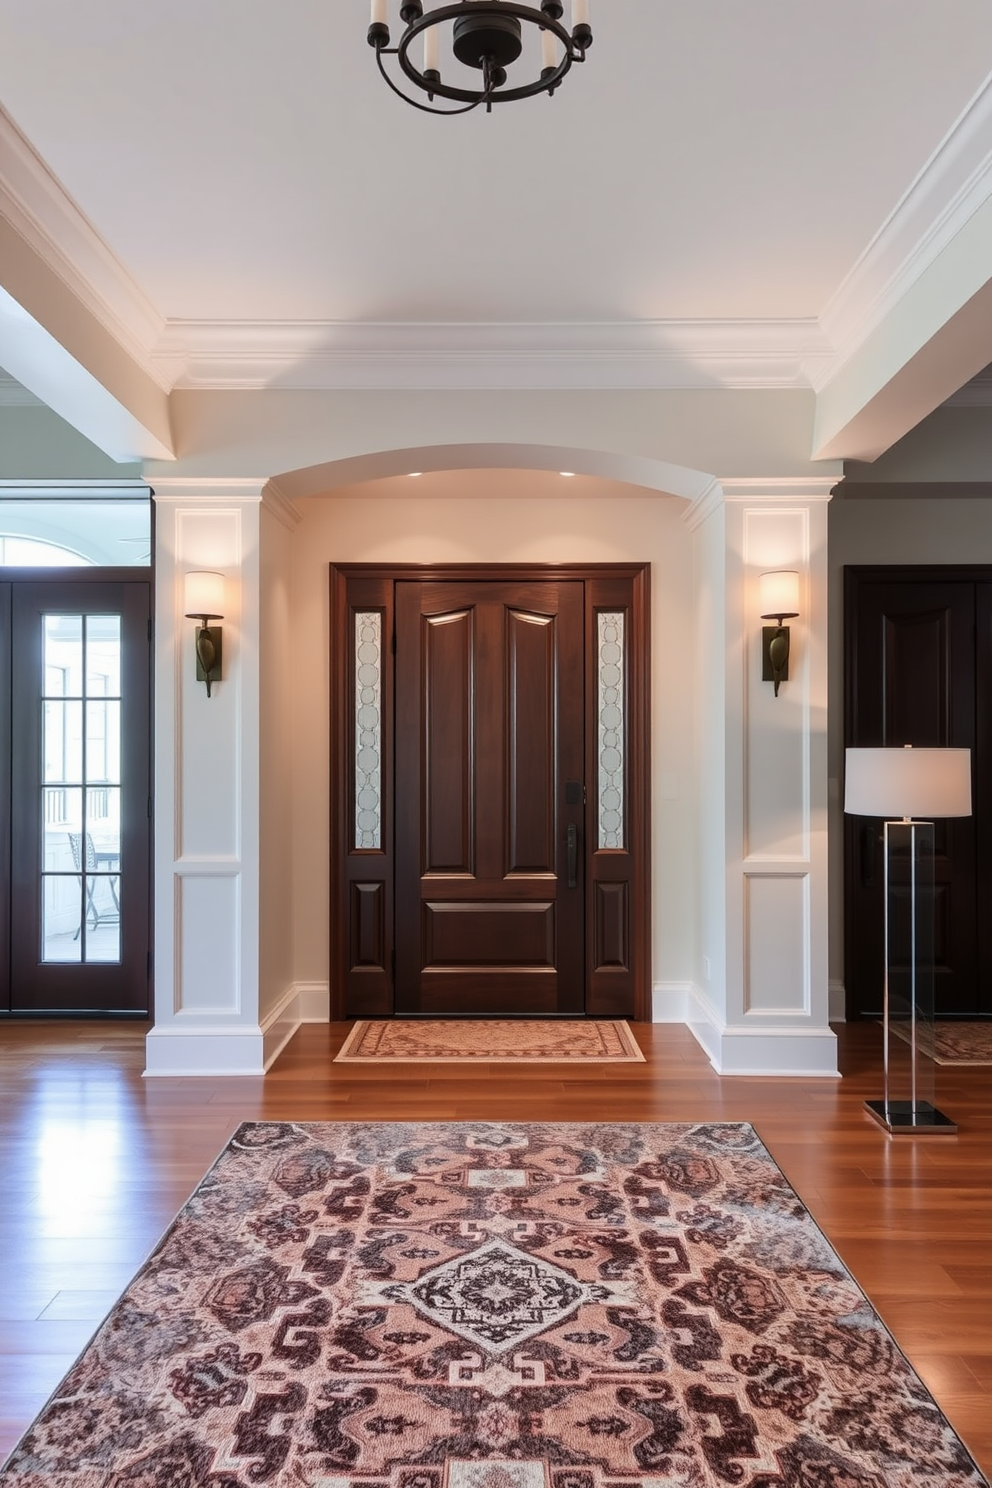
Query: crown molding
point(276, 502)
point(207, 488)
point(214, 355)
point(953, 184)
point(42, 212)
point(764, 491)
point(787, 489)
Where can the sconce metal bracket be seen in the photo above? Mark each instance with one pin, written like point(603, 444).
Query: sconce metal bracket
point(775, 654)
point(209, 654)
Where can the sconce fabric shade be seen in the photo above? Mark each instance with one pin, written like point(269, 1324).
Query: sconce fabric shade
point(925, 783)
point(204, 596)
point(779, 594)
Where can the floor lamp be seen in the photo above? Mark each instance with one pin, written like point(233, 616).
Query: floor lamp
point(911, 787)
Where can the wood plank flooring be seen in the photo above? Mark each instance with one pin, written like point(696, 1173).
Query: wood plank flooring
point(95, 1161)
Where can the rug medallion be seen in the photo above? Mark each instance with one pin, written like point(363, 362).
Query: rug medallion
point(488, 1305)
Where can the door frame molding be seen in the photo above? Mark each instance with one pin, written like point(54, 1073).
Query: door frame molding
point(638, 743)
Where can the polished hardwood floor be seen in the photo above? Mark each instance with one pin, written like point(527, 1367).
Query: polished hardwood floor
point(96, 1160)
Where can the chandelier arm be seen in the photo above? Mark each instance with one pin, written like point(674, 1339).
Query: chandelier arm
point(423, 107)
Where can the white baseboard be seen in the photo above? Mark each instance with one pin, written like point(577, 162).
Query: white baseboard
point(749, 1050)
point(315, 1002)
point(838, 1001)
point(204, 1049)
point(199, 1048)
point(670, 1002)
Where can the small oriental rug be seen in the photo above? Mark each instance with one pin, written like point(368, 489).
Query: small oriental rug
point(485, 1305)
point(490, 1041)
point(965, 1042)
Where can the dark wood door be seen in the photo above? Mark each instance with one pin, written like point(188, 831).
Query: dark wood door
point(80, 805)
point(913, 677)
point(490, 804)
point(490, 798)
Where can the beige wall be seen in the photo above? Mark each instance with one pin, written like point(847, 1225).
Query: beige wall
point(505, 516)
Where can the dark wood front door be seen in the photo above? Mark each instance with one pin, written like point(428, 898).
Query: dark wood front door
point(489, 886)
point(490, 792)
point(919, 667)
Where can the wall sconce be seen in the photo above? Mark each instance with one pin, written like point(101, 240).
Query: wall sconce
point(203, 601)
point(779, 591)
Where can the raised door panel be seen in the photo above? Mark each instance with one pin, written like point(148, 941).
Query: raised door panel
point(448, 738)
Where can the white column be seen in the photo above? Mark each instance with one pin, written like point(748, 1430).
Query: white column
point(761, 998)
point(208, 997)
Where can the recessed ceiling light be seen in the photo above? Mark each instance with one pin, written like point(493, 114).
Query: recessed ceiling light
point(567, 473)
point(414, 473)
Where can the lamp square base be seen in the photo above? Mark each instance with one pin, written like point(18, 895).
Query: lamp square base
point(902, 1118)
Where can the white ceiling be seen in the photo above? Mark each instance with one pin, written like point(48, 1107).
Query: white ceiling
point(234, 192)
point(719, 158)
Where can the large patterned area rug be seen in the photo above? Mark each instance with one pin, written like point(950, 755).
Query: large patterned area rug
point(490, 1041)
point(965, 1042)
point(492, 1306)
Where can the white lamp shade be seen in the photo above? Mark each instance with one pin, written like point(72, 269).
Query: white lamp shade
point(779, 594)
point(925, 783)
point(203, 596)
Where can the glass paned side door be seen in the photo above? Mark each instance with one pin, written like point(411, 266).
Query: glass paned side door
point(80, 829)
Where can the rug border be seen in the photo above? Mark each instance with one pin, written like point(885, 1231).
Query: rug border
point(364, 1125)
point(943, 1061)
point(343, 1056)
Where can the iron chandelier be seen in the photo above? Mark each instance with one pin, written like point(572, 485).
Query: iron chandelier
point(487, 35)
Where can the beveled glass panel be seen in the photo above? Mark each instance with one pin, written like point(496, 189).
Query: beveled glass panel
point(103, 741)
point(610, 726)
point(103, 656)
point(103, 918)
point(103, 823)
point(368, 729)
point(61, 917)
point(62, 743)
point(63, 654)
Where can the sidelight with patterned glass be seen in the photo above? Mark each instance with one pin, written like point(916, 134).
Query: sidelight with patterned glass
point(80, 803)
point(610, 727)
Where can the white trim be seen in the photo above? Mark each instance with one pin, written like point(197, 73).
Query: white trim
point(670, 1002)
point(279, 1024)
point(189, 488)
point(39, 208)
point(315, 1001)
point(951, 187)
point(74, 490)
point(280, 506)
point(784, 488)
point(204, 1050)
point(802, 1050)
point(252, 354)
point(838, 1000)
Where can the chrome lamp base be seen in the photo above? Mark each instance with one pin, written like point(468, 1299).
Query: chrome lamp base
point(903, 1118)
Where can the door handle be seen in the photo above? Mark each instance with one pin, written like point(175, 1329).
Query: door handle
point(572, 840)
